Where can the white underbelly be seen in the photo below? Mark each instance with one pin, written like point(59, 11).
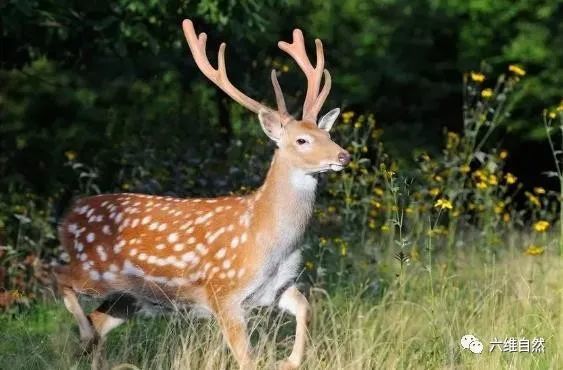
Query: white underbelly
point(266, 288)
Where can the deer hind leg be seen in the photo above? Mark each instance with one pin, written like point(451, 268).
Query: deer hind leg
point(233, 326)
point(294, 302)
point(86, 330)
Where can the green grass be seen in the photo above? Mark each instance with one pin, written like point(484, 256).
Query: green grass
point(416, 323)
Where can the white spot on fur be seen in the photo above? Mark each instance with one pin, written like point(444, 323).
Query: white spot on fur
point(215, 235)
point(108, 276)
point(102, 253)
point(131, 269)
point(172, 238)
point(90, 237)
point(221, 253)
point(234, 242)
point(204, 218)
point(201, 249)
point(94, 275)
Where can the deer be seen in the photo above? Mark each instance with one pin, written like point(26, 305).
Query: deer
point(221, 256)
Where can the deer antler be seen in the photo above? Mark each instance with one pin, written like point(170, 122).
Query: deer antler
point(313, 99)
point(219, 76)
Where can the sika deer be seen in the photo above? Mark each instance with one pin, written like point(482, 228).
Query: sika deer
point(221, 255)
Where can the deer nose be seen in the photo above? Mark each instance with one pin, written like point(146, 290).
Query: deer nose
point(344, 158)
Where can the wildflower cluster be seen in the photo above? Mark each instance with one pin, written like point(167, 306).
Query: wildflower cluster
point(464, 187)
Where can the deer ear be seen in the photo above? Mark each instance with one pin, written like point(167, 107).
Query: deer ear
point(328, 119)
point(271, 124)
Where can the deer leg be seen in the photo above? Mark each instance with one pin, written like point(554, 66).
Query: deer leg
point(71, 303)
point(294, 302)
point(233, 326)
point(114, 311)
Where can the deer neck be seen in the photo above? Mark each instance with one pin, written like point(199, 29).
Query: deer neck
point(284, 204)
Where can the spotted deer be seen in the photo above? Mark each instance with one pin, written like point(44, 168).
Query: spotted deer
point(220, 256)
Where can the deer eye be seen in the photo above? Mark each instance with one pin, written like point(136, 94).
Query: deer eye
point(301, 141)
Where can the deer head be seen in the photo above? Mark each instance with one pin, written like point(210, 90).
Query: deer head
point(305, 144)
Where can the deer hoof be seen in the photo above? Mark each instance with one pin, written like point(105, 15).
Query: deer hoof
point(287, 365)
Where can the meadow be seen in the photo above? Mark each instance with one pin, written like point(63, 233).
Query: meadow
point(416, 323)
point(399, 267)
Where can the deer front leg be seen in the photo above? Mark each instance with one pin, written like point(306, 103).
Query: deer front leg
point(233, 326)
point(295, 303)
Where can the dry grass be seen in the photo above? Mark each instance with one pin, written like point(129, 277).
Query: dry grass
point(414, 324)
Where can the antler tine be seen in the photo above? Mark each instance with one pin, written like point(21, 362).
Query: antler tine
point(279, 94)
point(313, 101)
point(218, 76)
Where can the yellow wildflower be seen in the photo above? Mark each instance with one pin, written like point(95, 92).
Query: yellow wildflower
point(375, 203)
point(482, 185)
point(506, 217)
point(453, 140)
point(358, 125)
point(70, 155)
point(517, 70)
point(503, 154)
point(347, 116)
point(487, 93)
point(534, 250)
point(309, 265)
point(371, 224)
point(322, 241)
point(541, 226)
point(510, 178)
point(552, 115)
point(378, 191)
point(533, 199)
point(331, 209)
point(385, 228)
point(493, 180)
point(443, 203)
point(464, 168)
point(477, 76)
point(539, 190)
point(434, 192)
point(499, 207)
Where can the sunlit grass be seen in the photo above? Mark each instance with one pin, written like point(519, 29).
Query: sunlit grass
point(413, 324)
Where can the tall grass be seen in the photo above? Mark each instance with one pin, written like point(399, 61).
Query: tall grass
point(416, 323)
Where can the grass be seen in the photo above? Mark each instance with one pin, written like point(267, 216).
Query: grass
point(416, 323)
